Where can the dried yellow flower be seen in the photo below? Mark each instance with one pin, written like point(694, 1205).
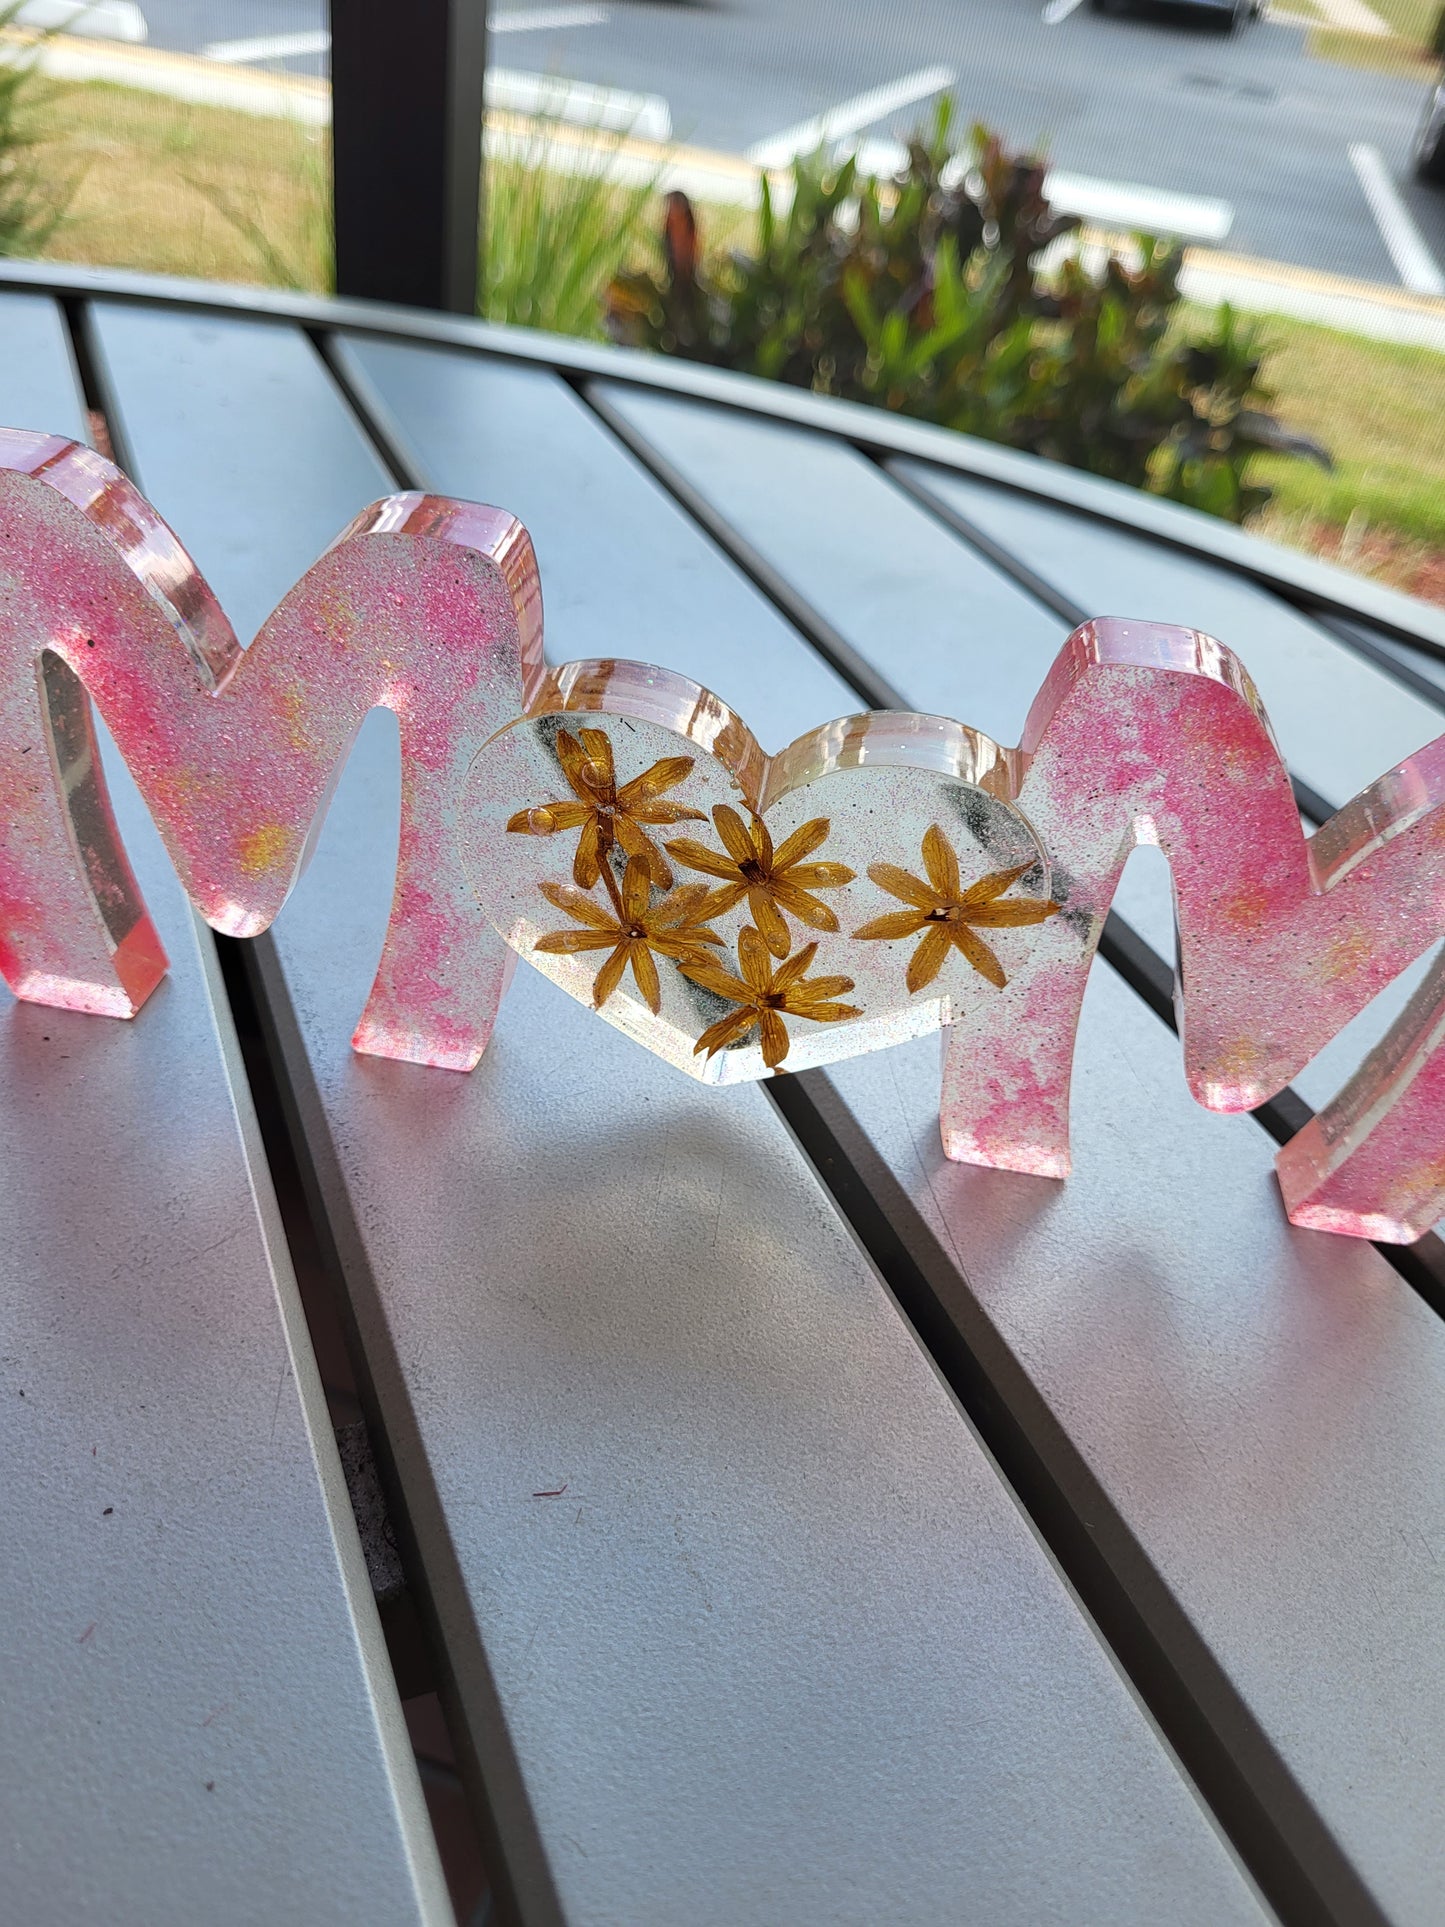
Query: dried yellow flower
point(771, 880)
point(766, 994)
point(606, 814)
point(632, 931)
point(947, 914)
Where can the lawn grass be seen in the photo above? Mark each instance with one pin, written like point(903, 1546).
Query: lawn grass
point(1412, 20)
point(1378, 53)
point(1378, 407)
point(167, 188)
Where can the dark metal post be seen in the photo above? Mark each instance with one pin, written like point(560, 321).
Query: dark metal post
point(406, 111)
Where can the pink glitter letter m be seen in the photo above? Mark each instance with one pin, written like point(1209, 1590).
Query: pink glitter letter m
point(426, 607)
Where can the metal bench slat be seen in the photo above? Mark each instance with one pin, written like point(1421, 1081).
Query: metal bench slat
point(198, 1715)
point(779, 1584)
point(1309, 680)
point(1254, 1410)
point(38, 385)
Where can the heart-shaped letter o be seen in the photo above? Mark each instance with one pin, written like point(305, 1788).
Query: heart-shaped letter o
point(737, 913)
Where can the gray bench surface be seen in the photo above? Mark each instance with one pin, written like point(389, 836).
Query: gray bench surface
point(199, 1720)
point(811, 1531)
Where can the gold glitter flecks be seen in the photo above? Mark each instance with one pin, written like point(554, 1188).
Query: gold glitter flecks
point(265, 849)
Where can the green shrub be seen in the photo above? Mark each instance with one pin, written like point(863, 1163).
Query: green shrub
point(555, 223)
point(933, 295)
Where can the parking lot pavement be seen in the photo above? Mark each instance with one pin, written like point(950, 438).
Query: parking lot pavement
point(1159, 102)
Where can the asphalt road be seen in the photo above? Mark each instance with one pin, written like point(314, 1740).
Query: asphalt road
point(1163, 101)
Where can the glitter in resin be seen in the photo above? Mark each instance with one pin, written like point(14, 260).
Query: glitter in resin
point(432, 608)
point(427, 607)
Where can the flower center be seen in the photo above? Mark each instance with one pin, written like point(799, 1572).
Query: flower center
point(946, 913)
point(752, 871)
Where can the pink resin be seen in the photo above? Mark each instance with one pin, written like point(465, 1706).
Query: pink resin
point(1148, 734)
point(427, 607)
point(432, 608)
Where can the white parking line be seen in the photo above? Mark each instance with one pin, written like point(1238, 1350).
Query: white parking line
point(1414, 263)
point(271, 46)
point(1151, 210)
point(1058, 11)
point(647, 117)
point(546, 19)
point(849, 117)
point(290, 46)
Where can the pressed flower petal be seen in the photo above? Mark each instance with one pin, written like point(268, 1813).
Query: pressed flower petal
point(569, 816)
point(827, 1013)
point(940, 862)
point(678, 906)
point(636, 844)
point(566, 942)
point(697, 856)
point(733, 834)
point(807, 909)
point(707, 975)
point(898, 883)
point(599, 754)
point(719, 902)
point(769, 920)
point(979, 955)
point(644, 973)
point(819, 876)
point(795, 967)
point(927, 959)
point(573, 758)
point(818, 989)
point(753, 957)
point(574, 904)
point(636, 889)
point(993, 885)
point(774, 1039)
point(591, 847)
point(609, 976)
point(663, 812)
point(665, 774)
point(545, 819)
point(1011, 915)
point(686, 945)
point(802, 843)
point(897, 923)
point(727, 1030)
point(762, 842)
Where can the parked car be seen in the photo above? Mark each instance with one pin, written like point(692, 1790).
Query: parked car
point(1228, 14)
point(1430, 141)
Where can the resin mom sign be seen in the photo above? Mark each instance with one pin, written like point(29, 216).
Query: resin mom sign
point(740, 914)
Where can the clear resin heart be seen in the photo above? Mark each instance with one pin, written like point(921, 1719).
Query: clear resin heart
point(737, 913)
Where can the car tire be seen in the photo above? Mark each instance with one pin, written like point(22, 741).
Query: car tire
point(1430, 148)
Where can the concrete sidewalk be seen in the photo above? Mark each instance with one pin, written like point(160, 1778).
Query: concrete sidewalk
point(575, 137)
